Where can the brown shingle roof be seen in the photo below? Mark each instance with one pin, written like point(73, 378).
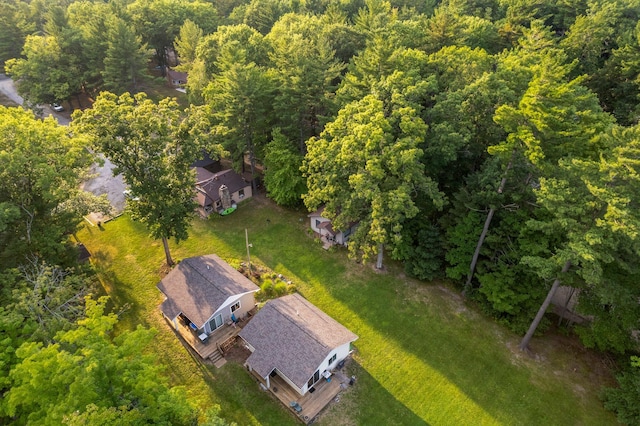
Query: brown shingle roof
point(317, 213)
point(176, 75)
point(328, 226)
point(198, 286)
point(294, 336)
point(208, 184)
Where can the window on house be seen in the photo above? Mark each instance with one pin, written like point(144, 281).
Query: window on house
point(241, 193)
point(318, 223)
point(235, 307)
point(333, 359)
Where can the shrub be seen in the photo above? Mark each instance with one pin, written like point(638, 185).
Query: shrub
point(625, 400)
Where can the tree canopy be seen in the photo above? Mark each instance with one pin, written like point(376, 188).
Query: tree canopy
point(153, 145)
point(88, 375)
point(41, 168)
point(492, 141)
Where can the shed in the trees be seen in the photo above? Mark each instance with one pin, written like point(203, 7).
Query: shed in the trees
point(176, 79)
point(325, 230)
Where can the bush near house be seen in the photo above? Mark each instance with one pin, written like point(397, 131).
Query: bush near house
point(423, 356)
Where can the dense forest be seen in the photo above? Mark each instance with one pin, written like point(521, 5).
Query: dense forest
point(494, 143)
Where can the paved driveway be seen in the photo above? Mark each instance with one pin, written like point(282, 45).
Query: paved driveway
point(103, 181)
point(9, 90)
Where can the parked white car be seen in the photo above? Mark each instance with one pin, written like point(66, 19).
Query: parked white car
point(57, 107)
point(129, 196)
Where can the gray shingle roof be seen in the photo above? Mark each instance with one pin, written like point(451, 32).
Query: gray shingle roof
point(294, 336)
point(198, 286)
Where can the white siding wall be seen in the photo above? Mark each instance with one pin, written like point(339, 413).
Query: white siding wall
point(313, 222)
point(341, 353)
point(247, 302)
point(341, 239)
point(174, 321)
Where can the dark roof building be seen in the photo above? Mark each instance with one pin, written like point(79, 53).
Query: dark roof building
point(206, 162)
point(208, 185)
point(293, 337)
point(176, 78)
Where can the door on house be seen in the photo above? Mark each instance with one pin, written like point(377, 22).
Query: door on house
point(215, 322)
point(312, 381)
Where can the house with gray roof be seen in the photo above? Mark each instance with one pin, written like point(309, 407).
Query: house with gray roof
point(204, 293)
point(297, 341)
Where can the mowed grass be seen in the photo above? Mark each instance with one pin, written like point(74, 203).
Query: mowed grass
point(422, 357)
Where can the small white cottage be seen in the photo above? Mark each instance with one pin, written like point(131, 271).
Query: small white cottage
point(324, 229)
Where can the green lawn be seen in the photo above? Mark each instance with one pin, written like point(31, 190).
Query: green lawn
point(423, 356)
point(157, 88)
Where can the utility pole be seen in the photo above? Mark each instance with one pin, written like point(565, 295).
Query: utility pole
point(246, 235)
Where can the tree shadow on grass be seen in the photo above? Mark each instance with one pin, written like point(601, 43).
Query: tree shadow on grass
point(446, 343)
point(242, 399)
point(443, 337)
point(382, 408)
point(119, 292)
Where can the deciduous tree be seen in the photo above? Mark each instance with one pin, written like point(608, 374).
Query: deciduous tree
point(365, 168)
point(14, 27)
point(153, 146)
point(40, 74)
point(625, 400)
point(90, 375)
point(41, 168)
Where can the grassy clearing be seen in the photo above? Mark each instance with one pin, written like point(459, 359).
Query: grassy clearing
point(423, 356)
point(157, 88)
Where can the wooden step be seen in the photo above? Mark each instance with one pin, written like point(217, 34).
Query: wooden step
point(216, 356)
point(217, 359)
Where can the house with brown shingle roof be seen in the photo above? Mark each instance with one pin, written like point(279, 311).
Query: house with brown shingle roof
point(324, 229)
point(208, 185)
point(176, 78)
point(204, 293)
point(297, 341)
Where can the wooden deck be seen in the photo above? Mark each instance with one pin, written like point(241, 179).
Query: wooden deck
point(216, 339)
point(312, 403)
